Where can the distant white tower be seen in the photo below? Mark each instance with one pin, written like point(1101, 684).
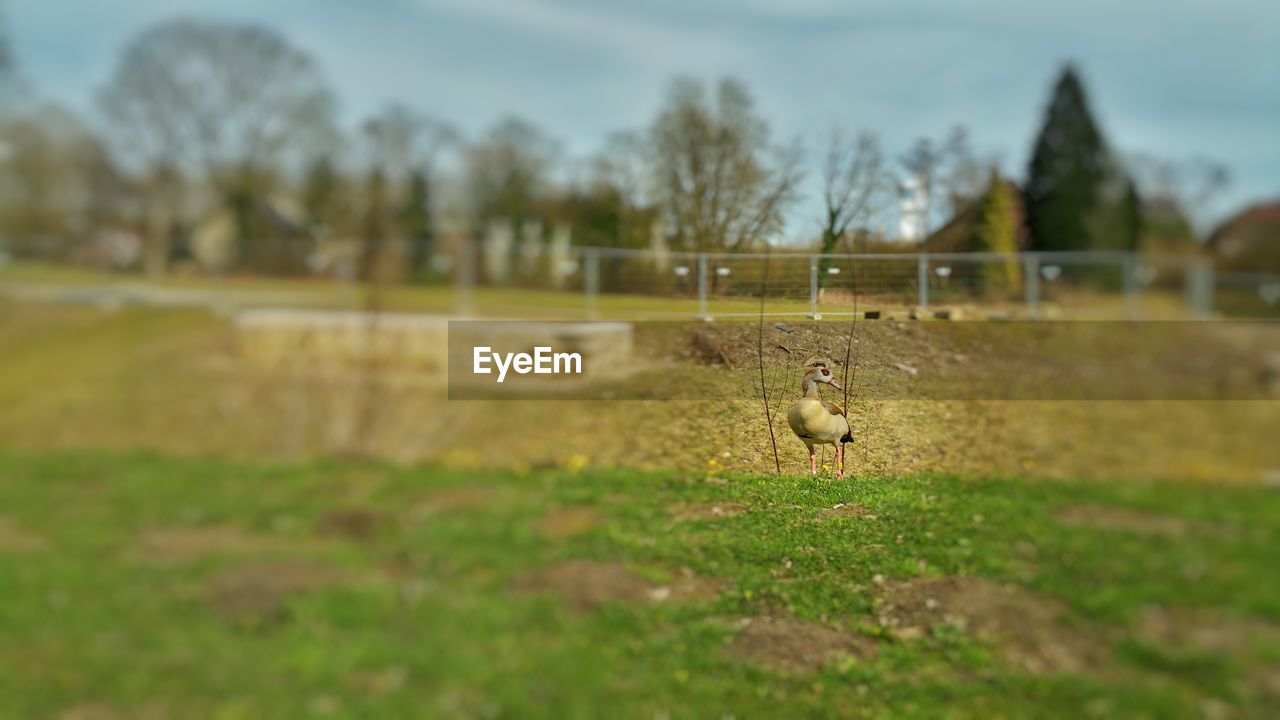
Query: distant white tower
point(912, 203)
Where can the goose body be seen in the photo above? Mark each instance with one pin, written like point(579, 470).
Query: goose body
point(819, 423)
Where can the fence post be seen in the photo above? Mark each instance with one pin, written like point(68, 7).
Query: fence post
point(1031, 283)
point(1200, 283)
point(591, 279)
point(702, 287)
point(466, 277)
point(922, 278)
point(1129, 266)
point(813, 288)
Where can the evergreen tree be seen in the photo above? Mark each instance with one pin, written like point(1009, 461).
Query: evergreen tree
point(320, 193)
point(1115, 222)
point(1068, 167)
point(375, 229)
point(415, 222)
point(996, 232)
point(1131, 216)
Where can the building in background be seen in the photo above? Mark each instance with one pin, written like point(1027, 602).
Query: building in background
point(913, 208)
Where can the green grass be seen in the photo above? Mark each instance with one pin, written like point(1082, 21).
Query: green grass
point(423, 620)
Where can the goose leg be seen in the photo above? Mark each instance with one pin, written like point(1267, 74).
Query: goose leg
point(813, 461)
point(840, 462)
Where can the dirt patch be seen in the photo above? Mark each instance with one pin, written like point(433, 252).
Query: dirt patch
point(1027, 629)
point(1202, 632)
point(706, 511)
point(586, 584)
point(468, 497)
point(1113, 518)
point(150, 710)
point(713, 348)
point(186, 544)
point(16, 539)
point(794, 645)
point(379, 682)
point(568, 522)
point(352, 524)
point(255, 594)
point(846, 510)
point(92, 711)
point(1208, 632)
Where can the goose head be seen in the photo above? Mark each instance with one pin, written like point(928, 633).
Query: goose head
point(820, 374)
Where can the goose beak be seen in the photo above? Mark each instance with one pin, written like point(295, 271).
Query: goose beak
point(832, 382)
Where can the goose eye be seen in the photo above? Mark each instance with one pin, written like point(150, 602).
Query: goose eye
point(825, 372)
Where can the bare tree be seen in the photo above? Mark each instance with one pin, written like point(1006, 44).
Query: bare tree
point(619, 180)
point(402, 140)
point(58, 184)
point(508, 171)
point(224, 102)
point(720, 182)
point(965, 177)
point(622, 165)
point(6, 55)
point(1187, 187)
point(854, 180)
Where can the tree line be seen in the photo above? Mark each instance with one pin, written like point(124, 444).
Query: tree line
point(224, 125)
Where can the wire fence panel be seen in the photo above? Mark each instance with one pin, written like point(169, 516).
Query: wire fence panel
point(1097, 284)
point(976, 278)
point(875, 282)
point(736, 285)
point(1248, 295)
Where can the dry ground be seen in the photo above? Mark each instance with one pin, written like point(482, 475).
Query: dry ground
point(922, 401)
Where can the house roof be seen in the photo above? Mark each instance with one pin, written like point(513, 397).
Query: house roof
point(958, 233)
point(1250, 240)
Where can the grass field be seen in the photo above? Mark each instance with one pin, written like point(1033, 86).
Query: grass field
point(141, 586)
point(586, 558)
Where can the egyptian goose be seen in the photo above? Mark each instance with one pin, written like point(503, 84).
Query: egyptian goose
point(820, 423)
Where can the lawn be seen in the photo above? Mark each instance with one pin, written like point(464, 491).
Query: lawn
point(142, 585)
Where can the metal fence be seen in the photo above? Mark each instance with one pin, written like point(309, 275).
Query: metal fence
point(598, 282)
point(1094, 284)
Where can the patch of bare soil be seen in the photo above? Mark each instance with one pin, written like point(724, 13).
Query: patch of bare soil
point(847, 510)
point(102, 711)
point(256, 593)
point(467, 497)
point(92, 711)
point(712, 348)
point(186, 544)
point(1188, 631)
point(382, 681)
point(569, 522)
point(1027, 629)
point(706, 511)
point(1205, 631)
point(351, 523)
point(1122, 519)
point(16, 539)
point(587, 584)
point(796, 646)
